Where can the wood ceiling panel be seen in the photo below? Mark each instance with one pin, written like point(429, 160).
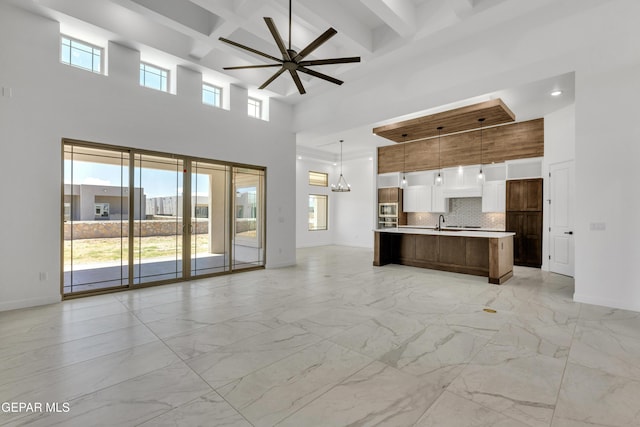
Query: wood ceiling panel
point(508, 142)
point(461, 119)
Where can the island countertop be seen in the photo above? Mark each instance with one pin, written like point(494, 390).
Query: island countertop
point(482, 253)
point(445, 232)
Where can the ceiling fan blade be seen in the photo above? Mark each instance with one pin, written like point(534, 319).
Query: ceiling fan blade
point(315, 44)
point(242, 67)
point(272, 78)
point(330, 61)
point(277, 38)
point(298, 82)
point(319, 75)
point(241, 46)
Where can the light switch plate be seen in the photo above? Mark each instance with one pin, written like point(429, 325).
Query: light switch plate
point(597, 226)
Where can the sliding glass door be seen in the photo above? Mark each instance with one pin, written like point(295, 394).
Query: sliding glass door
point(158, 229)
point(209, 218)
point(95, 219)
point(248, 240)
point(133, 218)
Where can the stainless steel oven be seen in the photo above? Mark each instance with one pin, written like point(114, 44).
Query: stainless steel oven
point(388, 210)
point(387, 222)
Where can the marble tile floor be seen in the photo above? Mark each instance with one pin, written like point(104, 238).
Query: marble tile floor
point(332, 341)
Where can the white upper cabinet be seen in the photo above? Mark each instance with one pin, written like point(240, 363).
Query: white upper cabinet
point(391, 179)
point(439, 203)
point(417, 198)
point(494, 195)
point(524, 168)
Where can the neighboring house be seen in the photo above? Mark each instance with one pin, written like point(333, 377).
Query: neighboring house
point(86, 202)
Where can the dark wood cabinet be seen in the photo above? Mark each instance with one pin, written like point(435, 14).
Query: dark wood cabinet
point(452, 250)
point(524, 217)
point(393, 195)
point(389, 195)
point(427, 248)
point(524, 195)
point(492, 257)
point(407, 247)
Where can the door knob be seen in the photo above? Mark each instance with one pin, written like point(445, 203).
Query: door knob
point(568, 232)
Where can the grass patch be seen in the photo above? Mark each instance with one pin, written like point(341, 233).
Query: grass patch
point(108, 250)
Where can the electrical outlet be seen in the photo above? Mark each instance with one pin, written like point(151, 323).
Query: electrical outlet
point(44, 276)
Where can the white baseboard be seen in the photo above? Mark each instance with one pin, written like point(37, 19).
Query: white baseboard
point(31, 302)
point(606, 302)
point(281, 265)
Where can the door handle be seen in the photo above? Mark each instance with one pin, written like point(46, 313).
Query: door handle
point(568, 232)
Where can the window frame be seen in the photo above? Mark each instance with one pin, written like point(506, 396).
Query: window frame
point(326, 224)
point(143, 66)
point(93, 47)
point(219, 95)
point(258, 104)
point(326, 179)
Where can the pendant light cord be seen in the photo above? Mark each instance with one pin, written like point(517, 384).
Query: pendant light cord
point(289, 24)
point(439, 159)
point(481, 120)
point(341, 141)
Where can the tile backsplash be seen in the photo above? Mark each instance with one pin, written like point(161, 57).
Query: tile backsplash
point(462, 211)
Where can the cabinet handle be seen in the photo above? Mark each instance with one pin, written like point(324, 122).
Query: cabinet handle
point(568, 232)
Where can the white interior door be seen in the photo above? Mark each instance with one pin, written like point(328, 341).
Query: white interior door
point(561, 208)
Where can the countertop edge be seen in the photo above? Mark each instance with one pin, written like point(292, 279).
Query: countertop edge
point(461, 233)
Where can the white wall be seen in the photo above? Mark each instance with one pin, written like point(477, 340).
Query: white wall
point(355, 211)
point(51, 101)
point(607, 177)
point(559, 146)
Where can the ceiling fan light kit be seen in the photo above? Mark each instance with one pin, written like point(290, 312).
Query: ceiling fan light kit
point(293, 61)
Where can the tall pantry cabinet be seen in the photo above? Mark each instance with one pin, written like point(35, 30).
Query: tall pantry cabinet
point(524, 217)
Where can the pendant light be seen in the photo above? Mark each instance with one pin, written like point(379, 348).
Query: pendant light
point(481, 174)
point(341, 186)
point(404, 158)
point(439, 177)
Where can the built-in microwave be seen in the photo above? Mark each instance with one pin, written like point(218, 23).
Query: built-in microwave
point(387, 210)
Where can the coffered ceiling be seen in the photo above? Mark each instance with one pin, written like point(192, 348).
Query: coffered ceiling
point(398, 41)
point(189, 30)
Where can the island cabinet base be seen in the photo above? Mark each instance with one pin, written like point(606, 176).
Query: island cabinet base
point(488, 257)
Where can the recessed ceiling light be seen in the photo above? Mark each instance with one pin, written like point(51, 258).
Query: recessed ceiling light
point(556, 93)
point(299, 157)
point(335, 164)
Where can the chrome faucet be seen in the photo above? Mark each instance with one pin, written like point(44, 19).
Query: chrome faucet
point(441, 217)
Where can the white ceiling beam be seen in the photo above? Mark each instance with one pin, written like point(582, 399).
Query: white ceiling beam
point(461, 8)
point(327, 14)
point(435, 16)
point(234, 14)
point(397, 14)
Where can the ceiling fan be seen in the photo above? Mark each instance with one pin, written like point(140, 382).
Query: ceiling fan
point(293, 61)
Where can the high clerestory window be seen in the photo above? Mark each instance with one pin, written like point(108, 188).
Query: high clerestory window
point(254, 108)
point(319, 179)
point(154, 77)
point(81, 54)
point(212, 95)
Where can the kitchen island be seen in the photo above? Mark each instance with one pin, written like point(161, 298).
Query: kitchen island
point(481, 253)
